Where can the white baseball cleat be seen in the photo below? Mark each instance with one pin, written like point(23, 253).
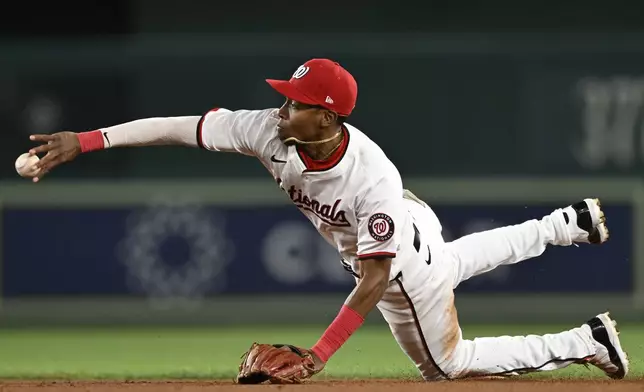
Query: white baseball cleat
point(586, 222)
point(609, 356)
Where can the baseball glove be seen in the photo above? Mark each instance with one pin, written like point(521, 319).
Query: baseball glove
point(277, 364)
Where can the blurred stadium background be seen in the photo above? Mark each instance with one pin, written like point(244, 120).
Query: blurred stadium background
point(494, 114)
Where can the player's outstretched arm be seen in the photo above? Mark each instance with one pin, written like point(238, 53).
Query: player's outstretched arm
point(367, 293)
point(63, 147)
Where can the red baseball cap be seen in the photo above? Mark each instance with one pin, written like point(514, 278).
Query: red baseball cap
point(320, 82)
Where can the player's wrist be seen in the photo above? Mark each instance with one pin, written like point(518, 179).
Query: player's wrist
point(345, 324)
point(90, 141)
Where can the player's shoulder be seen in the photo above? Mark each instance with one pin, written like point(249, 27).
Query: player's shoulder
point(257, 117)
point(371, 157)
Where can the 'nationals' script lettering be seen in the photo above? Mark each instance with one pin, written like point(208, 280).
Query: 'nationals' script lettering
point(328, 213)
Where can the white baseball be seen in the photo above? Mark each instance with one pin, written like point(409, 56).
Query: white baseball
point(25, 165)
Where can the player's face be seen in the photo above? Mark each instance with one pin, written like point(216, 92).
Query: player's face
point(299, 121)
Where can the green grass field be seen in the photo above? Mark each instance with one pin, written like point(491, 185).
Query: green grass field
point(214, 353)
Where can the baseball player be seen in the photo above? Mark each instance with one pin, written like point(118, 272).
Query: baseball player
point(386, 237)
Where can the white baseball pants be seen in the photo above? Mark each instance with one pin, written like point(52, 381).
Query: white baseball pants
point(419, 305)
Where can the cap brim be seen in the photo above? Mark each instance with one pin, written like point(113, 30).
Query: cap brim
point(288, 90)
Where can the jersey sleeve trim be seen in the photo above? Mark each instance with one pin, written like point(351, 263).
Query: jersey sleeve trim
point(376, 255)
point(200, 128)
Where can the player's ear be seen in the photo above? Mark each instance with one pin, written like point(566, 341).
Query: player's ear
point(328, 118)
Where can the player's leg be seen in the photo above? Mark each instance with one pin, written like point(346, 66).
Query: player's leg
point(424, 322)
point(420, 306)
point(595, 342)
point(474, 254)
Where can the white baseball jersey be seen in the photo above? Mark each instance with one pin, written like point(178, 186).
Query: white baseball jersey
point(355, 201)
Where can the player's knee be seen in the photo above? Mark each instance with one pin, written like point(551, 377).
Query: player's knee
point(441, 371)
point(449, 369)
point(446, 367)
point(452, 364)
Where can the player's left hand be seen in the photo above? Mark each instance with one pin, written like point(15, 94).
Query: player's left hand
point(278, 364)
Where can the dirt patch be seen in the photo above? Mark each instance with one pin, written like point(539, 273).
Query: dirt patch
point(349, 386)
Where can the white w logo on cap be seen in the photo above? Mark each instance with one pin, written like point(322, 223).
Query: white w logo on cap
point(301, 71)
